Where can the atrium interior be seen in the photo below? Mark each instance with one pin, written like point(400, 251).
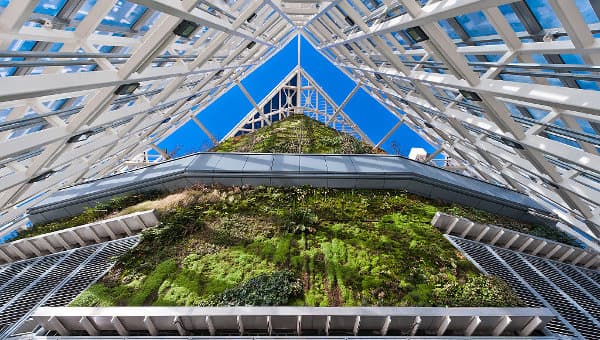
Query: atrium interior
point(299, 168)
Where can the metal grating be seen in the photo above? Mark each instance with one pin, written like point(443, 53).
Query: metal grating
point(100, 263)
point(489, 263)
point(506, 89)
point(52, 280)
point(570, 291)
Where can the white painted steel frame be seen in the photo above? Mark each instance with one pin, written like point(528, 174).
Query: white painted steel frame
point(75, 237)
point(221, 54)
point(310, 99)
point(292, 320)
point(552, 172)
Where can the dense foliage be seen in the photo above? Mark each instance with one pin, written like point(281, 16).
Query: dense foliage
point(344, 247)
point(296, 134)
point(273, 289)
point(475, 291)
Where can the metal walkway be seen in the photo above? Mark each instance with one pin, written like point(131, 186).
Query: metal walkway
point(514, 240)
point(52, 280)
point(66, 239)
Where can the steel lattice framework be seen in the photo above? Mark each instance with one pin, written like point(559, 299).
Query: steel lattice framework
point(298, 93)
point(508, 102)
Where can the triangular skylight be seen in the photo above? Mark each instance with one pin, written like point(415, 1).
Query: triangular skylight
point(325, 88)
point(298, 93)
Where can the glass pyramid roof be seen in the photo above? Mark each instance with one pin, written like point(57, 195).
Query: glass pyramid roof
point(508, 89)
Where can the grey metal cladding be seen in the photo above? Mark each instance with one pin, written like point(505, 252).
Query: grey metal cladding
point(334, 171)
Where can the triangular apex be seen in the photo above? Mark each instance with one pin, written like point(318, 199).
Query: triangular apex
point(297, 93)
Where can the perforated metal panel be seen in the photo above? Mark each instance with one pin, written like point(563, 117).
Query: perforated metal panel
point(571, 292)
point(53, 280)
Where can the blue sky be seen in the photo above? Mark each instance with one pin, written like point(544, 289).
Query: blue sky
point(230, 108)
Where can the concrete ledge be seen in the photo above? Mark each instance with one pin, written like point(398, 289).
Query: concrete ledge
point(333, 171)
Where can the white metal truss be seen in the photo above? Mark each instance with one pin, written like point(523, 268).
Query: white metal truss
point(527, 117)
point(61, 126)
point(554, 158)
point(298, 93)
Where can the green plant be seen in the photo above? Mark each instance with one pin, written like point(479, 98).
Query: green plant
point(476, 291)
point(365, 247)
point(296, 134)
point(273, 289)
point(300, 220)
point(156, 242)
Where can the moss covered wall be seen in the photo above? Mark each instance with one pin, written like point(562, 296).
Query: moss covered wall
point(300, 246)
point(296, 134)
point(342, 248)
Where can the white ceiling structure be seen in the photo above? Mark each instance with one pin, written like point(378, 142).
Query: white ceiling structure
point(508, 88)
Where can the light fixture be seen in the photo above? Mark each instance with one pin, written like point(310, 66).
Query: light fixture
point(185, 28)
point(417, 34)
point(41, 176)
point(251, 17)
point(469, 95)
point(80, 137)
point(126, 89)
point(511, 143)
point(349, 20)
point(251, 44)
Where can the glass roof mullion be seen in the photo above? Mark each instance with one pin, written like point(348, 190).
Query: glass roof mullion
point(533, 27)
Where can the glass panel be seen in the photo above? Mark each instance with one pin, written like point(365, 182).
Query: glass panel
point(124, 14)
point(476, 24)
point(512, 18)
point(49, 7)
point(544, 13)
point(588, 12)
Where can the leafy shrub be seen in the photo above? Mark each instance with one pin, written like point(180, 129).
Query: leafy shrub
point(157, 243)
point(362, 248)
point(477, 291)
point(273, 289)
point(296, 134)
point(300, 220)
